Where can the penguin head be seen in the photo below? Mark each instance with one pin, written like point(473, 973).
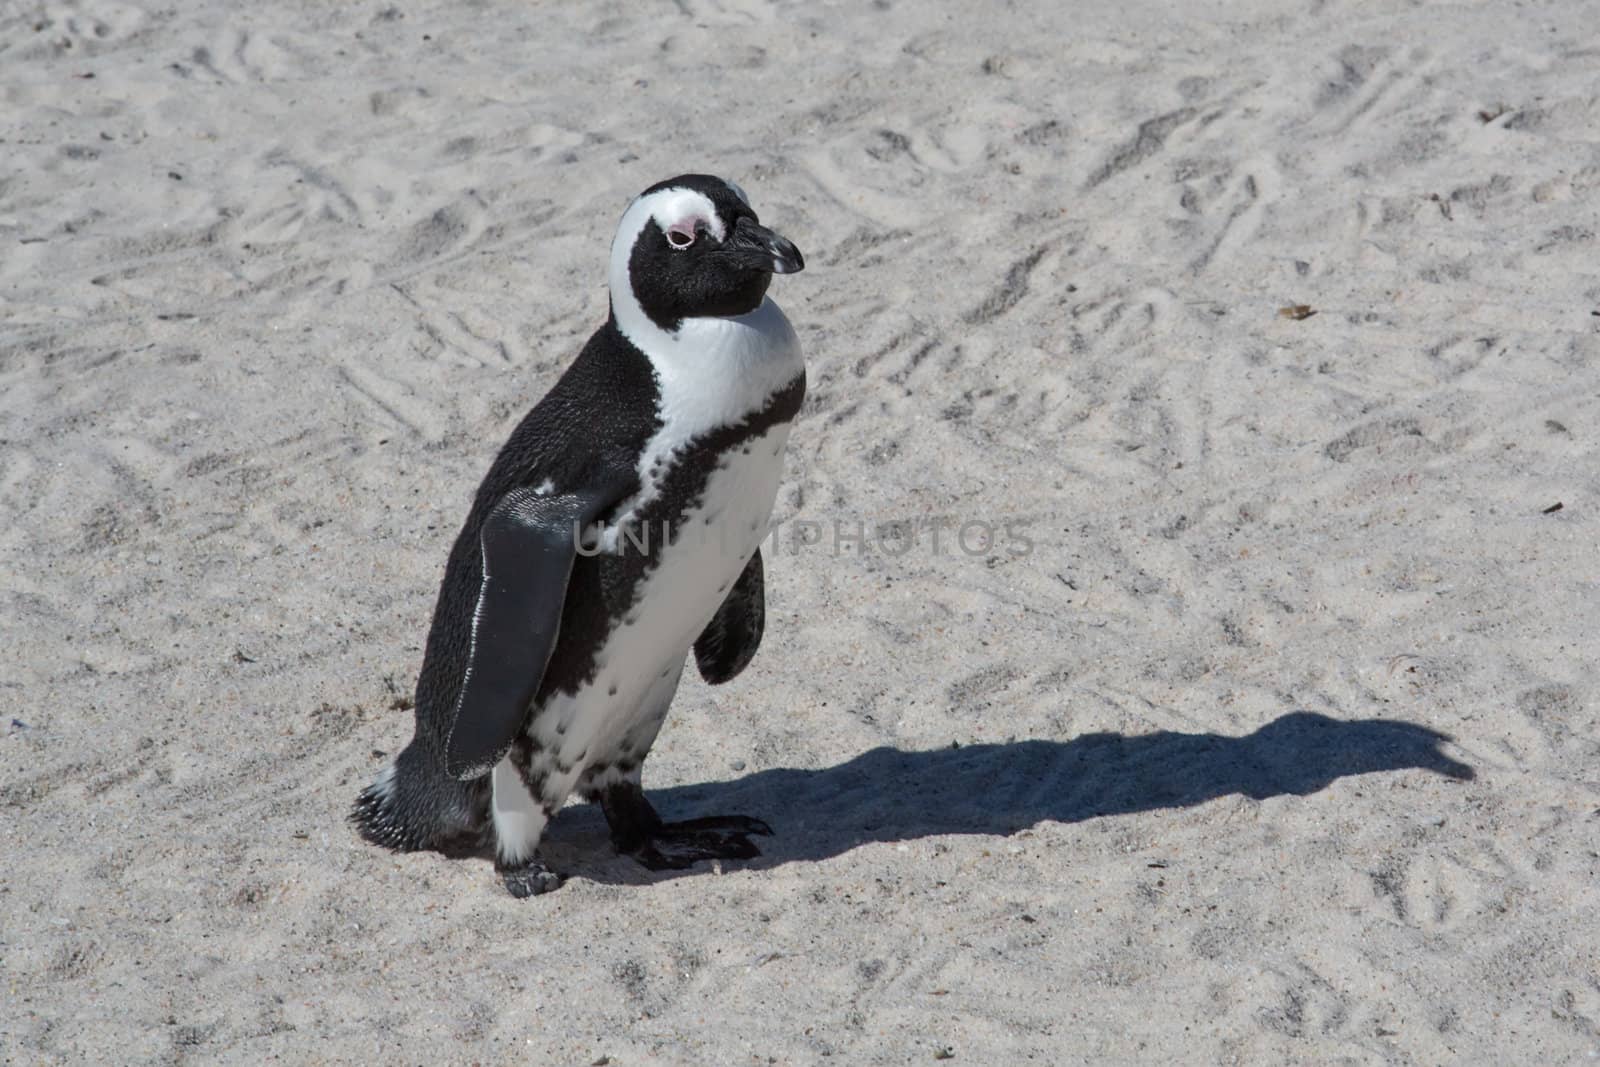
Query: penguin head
point(692, 247)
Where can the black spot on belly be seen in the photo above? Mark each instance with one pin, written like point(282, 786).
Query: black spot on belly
point(523, 751)
point(522, 754)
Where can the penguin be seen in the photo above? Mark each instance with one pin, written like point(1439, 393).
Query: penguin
point(618, 528)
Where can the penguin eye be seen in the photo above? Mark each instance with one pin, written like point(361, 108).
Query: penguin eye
point(680, 238)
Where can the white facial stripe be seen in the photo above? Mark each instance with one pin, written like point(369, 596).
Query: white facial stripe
point(673, 209)
point(665, 207)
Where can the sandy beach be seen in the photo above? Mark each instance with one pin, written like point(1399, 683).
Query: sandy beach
point(1264, 729)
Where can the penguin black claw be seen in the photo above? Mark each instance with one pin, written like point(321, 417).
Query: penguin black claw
point(530, 879)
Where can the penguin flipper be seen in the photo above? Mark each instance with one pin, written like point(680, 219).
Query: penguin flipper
point(730, 640)
point(529, 543)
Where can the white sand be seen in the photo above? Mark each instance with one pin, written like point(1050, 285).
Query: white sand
point(278, 278)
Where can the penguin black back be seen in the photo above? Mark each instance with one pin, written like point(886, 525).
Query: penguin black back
point(599, 414)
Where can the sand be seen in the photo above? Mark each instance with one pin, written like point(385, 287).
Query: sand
point(1279, 745)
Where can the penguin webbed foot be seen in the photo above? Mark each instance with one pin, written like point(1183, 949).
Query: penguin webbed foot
point(531, 878)
point(637, 831)
point(672, 846)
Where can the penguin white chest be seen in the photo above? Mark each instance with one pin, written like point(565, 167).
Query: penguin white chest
point(702, 554)
point(698, 557)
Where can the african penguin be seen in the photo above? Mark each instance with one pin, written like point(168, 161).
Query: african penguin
point(618, 527)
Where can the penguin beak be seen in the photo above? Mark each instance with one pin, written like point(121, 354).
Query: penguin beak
point(758, 248)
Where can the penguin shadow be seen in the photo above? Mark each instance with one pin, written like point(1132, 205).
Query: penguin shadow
point(890, 795)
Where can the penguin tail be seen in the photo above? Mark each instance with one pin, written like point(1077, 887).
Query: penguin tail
point(413, 805)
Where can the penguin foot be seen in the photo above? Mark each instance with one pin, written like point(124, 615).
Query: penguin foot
point(529, 879)
point(672, 846)
point(637, 831)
